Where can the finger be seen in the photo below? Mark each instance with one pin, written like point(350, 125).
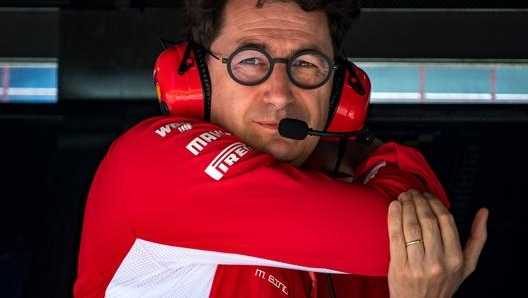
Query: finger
point(398, 252)
point(476, 241)
point(448, 231)
point(411, 228)
point(432, 238)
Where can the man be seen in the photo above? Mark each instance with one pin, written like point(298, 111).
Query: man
point(180, 207)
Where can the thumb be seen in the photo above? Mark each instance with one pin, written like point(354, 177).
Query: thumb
point(476, 241)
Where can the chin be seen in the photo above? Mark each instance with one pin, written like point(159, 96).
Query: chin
point(286, 150)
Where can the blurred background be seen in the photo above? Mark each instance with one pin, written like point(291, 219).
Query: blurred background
point(448, 77)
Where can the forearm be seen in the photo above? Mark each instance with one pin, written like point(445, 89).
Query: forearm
point(165, 189)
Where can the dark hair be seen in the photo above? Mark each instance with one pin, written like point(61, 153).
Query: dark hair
point(204, 17)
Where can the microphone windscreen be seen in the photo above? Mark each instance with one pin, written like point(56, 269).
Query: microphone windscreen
point(293, 129)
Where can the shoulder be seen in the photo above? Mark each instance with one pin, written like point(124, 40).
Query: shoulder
point(164, 126)
point(156, 131)
point(159, 136)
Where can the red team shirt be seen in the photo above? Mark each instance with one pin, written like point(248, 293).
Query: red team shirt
point(181, 208)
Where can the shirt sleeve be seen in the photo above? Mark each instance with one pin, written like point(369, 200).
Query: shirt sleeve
point(393, 168)
point(190, 184)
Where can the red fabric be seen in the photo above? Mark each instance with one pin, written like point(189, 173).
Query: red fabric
point(262, 282)
point(184, 183)
point(405, 168)
point(353, 286)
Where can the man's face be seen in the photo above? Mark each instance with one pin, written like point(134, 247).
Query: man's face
point(253, 112)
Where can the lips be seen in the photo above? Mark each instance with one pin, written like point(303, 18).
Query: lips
point(270, 125)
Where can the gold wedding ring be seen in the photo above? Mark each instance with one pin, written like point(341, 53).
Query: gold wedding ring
point(413, 242)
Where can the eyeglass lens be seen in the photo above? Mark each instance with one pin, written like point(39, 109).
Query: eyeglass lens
point(252, 66)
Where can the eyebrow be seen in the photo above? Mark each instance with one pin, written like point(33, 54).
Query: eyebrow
point(266, 47)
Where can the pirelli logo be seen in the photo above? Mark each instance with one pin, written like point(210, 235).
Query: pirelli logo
point(226, 159)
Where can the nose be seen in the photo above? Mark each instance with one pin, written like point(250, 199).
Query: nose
point(278, 92)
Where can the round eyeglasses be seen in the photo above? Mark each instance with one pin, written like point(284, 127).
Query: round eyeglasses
point(250, 66)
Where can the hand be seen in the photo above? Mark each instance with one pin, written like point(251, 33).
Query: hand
point(436, 266)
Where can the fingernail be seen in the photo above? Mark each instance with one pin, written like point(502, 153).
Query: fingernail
point(404, 196)
point(413, 191)
point(394, 206)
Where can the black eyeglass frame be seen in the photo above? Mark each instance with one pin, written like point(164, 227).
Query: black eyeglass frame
point(331, 66)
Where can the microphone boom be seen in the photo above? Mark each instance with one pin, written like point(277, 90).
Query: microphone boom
point(298, 130)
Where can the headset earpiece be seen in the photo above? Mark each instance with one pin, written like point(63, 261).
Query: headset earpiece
point(182, 81)
point(350, 98)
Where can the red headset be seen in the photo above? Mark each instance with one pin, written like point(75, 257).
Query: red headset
point(181, 79)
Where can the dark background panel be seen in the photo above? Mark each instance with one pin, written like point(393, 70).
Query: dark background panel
point(32, 33)
point(110, 54)
point(444, 34)
point(48, 157)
